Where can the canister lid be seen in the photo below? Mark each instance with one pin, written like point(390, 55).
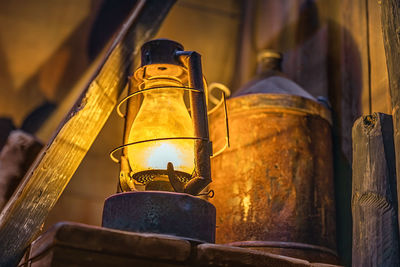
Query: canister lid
point(269, 60)
point(270, 79)
point(268, 53)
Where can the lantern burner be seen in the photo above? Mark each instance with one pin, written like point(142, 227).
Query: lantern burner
point(144, 177)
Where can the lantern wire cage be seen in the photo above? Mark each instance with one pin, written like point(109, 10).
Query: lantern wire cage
point(222, 102)
point(146, 176)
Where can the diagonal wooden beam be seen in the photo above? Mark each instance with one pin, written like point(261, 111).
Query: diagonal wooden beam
point(21, 219)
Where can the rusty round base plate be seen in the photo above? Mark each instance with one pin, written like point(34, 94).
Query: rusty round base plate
point(161, 212)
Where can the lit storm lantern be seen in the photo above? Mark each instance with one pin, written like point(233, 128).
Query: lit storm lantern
point(167, 144)
point(166, 148)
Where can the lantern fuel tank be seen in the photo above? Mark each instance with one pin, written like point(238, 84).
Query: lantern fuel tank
point(274, 185)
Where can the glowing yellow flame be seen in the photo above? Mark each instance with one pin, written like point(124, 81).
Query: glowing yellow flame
point(162, 154)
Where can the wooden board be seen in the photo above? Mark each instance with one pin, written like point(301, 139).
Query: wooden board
point(390, 14)
point(380, 92)
point(73, 244)
point(221, 255)
point(374, 203)
point(24, 214)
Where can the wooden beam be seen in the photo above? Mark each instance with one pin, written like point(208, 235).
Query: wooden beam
point(390, 18)
point(21, 219)
point(374, 196)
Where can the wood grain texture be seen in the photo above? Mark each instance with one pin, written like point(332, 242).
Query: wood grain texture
point(390, 15)
point(380, 95)
point(24, 214)
point(374, 196)
point(221, 255)
point(74, 244)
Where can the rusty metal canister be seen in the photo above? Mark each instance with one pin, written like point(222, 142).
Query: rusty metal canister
point(274, 186)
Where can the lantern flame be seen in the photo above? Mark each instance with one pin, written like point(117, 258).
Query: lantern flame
point(162, 154)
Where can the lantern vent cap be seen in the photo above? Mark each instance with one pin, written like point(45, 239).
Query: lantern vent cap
point(160, 51)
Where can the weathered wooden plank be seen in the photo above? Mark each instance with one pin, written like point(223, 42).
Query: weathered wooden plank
point(374, 196)
point(22, 217)
point(380, 91)
point(74, 244)
point(390, 15)
point(221, 255)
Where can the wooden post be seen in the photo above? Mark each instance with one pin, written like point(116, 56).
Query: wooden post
point(22, 217)
point(374, 196)
point(390, 15)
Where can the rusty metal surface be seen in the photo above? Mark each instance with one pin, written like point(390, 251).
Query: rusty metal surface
point(275, 182)
point(162, 213)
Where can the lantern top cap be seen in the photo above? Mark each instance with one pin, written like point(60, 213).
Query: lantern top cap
point(160, 51)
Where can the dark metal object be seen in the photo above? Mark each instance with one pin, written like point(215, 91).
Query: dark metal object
point(160, 51)
point(203, 148)
point(270, 79)
point(177, 184)
point(269, 61)
point(147, 176)
point(161, 212)
point(275, 182)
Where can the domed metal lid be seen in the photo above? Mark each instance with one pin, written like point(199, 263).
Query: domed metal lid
point(270, 79)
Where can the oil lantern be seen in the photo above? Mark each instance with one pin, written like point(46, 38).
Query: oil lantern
point(165, 159)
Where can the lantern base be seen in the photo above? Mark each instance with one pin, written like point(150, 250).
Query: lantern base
point(161, 212)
